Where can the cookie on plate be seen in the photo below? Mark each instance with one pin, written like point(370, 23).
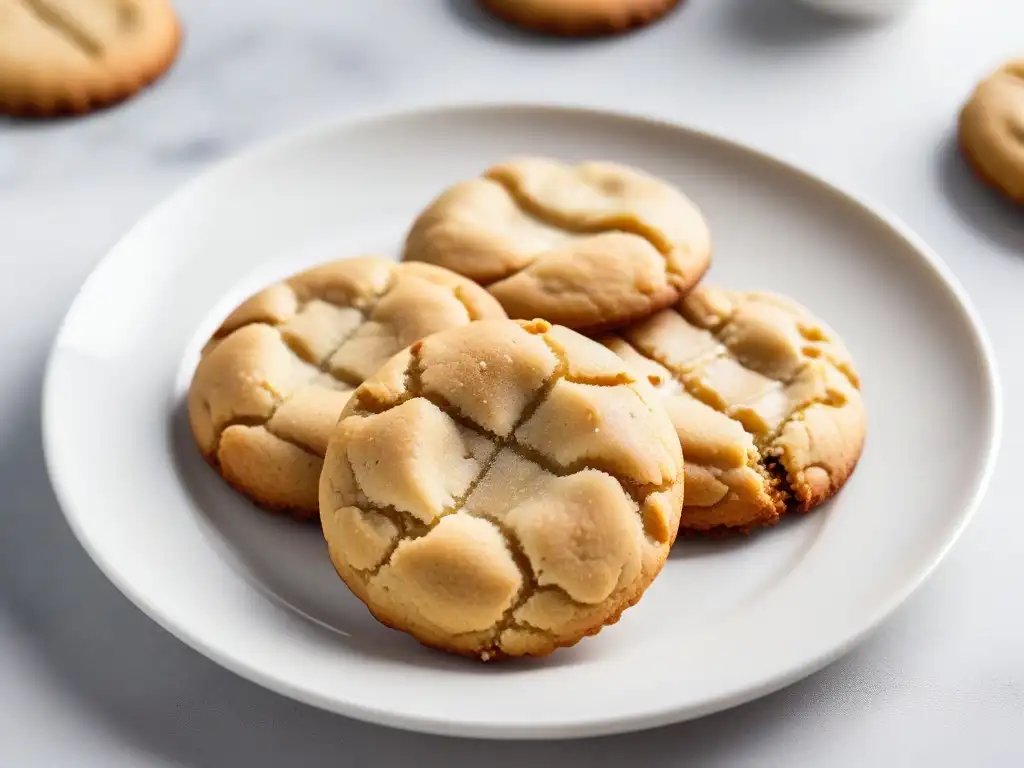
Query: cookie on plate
point(590, 247)
point(501, 489)
point(276, 375)
point(765, 400)
point(70, 56)
point(991, 130)
point(580, 17)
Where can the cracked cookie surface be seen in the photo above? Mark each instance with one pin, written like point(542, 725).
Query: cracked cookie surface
point(765, 400)
point(501, 489)
point(991, 130)
point(69, 56)
point(272, 381)
point(590, 246)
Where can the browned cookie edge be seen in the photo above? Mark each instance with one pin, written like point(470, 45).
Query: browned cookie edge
point(587, 25)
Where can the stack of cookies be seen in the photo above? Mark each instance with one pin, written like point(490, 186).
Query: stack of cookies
point(503, 435)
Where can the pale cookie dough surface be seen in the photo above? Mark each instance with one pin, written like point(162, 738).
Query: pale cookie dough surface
point(590, 246)
point(992, 130)
point(764, 398)
point(276, 375)
point(61, 56)
point(501, 489)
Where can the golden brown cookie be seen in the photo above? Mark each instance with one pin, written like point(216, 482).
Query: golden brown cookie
point(276, 375)
point(501, 489)
point(590, 246)
point(580, 17)
point(69, 56)
point(764, 398)
point(992, 130)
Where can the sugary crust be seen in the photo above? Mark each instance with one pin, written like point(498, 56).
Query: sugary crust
point(764, 398)
point(63, 57)
point(502, 489)
point(589, 247)
point(279, 370)
point(580, 17)
point(991, 130)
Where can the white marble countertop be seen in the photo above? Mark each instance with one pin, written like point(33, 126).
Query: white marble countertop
point(85, 679)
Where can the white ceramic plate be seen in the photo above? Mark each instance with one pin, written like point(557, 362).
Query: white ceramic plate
point(726, 621)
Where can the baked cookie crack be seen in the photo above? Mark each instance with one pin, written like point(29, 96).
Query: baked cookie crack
point(764, 443)
point(66, 26)
point(601, 379)
point(407, 531)
point(476, 501)
point(551, 217)
point(280, 368)
point(764, 398)
point(471, 310)
point(244, 421)
point(287, 439)
point(341, 377)
point(411, 528)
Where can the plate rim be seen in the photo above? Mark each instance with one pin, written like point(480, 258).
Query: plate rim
point(365, 119)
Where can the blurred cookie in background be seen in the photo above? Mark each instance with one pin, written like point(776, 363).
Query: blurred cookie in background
point(579, 17)
point(73, 56)
point(991, 130)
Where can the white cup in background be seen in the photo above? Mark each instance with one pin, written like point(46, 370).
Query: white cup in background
point(863, 9)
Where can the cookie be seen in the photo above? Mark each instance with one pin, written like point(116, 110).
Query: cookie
point(272, 381)
point(590, 247)
point(71, 56)
point(501, 489)
point(991, 130)
point(765, 400)
point(580, 17)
